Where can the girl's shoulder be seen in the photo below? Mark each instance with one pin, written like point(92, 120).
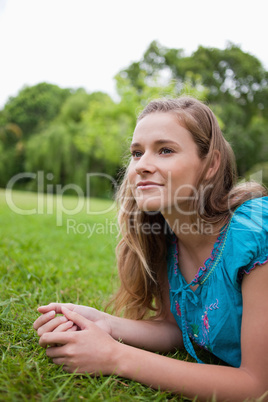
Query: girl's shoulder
point(252, 214)
point(246, 244)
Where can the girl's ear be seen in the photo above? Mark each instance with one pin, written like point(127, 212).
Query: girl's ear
point(214, 164)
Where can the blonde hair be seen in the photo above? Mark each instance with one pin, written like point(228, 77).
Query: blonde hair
point(141, 256)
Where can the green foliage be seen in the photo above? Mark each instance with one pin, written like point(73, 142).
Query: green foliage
point(228, 73)
point(34, 107)
point(11, 162)
point(76, 104)
point(82, 139)
point(23, 116)
point(259, 173)
point(52, 151)
point(102, 135)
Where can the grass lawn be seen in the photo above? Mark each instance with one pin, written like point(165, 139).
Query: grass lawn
point(46, 256)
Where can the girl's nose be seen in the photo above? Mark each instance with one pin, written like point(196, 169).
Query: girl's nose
point(144, 165)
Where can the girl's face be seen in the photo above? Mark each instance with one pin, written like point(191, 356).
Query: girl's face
point(165, 165)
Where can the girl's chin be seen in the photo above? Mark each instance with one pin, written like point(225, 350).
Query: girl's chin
point(149, 207)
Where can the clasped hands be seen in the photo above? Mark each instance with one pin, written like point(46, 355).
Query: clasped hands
point(80, 340)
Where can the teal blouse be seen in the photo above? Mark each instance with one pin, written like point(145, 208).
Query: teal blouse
point(211, 315)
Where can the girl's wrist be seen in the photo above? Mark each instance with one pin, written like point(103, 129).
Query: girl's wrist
point(127, 361)
point(117, 327)
point(109, 320)
point(118, 359)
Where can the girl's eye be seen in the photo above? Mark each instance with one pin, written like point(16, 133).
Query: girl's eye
point(166, 151)
point(136, 154)
point(163, 151)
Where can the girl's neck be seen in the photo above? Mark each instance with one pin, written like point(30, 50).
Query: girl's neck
point(196, 240)
point(192, 232)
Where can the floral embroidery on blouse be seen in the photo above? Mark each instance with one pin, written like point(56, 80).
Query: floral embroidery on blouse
point(178, 309)
point(202, 337)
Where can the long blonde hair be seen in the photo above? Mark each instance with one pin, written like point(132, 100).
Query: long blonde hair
point(141, 255)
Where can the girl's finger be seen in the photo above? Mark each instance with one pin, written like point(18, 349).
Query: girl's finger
point(56, 352)
point(77, 319)
point(54, 306)
point(59, 361)
point(64, 327)
point(43, 319)
point(58, 338)
point(73, 328)
point(51, 325)
point(49, 307)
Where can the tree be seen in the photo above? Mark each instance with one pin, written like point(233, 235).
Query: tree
point(228, 74)
point(27, 113)
point(53, 152)
point(77, 103)
point(62, 150)
point(34, 107)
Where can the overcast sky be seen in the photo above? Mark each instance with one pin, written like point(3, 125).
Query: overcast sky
point(84, 43)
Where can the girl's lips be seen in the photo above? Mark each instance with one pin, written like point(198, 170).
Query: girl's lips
point(147, 184)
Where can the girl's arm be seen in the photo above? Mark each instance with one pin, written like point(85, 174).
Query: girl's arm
point(162, 335)
point(93, 350)
point(154, 335)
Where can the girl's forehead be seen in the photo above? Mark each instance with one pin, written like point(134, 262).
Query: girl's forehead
point(157, 117)
point(159, 125)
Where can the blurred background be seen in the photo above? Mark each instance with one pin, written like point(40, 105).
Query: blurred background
point(75, 74)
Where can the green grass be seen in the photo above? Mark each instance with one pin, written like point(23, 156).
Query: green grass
point(41, 262)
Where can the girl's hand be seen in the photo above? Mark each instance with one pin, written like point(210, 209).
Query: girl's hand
point(90, 350)
point(48, 322)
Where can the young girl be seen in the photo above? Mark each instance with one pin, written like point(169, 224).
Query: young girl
point(193, 265)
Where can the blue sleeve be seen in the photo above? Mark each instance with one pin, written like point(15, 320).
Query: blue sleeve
point(247, 242)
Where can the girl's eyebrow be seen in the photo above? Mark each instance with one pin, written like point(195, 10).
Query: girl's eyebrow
point(158, 142)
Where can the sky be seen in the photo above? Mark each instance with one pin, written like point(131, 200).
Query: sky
point(85, 43)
